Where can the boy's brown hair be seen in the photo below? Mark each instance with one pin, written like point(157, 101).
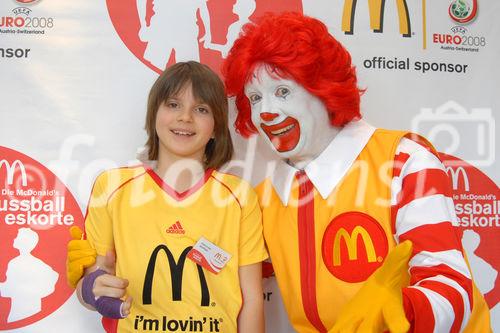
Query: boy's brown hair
point(207, 88)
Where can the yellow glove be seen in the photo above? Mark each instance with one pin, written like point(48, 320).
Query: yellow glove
point(378, 305)
point(80, 256)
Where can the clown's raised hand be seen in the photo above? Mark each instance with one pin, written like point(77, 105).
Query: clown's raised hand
point(378, 305)
point(80, 256)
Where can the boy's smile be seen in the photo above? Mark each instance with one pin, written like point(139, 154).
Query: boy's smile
point(184, 126)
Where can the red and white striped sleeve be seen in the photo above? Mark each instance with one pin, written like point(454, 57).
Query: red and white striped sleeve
point(439, 298)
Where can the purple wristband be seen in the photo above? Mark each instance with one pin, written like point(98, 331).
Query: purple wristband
point(88, 284)
point(107, 306)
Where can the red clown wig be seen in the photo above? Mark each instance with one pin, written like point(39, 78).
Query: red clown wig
point(300, 48)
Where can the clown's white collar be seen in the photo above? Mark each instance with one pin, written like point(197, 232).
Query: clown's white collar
point(331, 165)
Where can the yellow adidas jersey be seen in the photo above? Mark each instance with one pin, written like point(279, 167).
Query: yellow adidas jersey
point(152, 228)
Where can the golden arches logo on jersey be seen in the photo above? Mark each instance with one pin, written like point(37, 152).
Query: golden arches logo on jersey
point(376, 10)
point(354, 245)
point(351, 241)
point(176, 272)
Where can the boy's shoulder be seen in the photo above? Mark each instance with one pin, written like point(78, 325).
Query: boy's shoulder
point(230, 180)
point(239, 187)
point(113, 178)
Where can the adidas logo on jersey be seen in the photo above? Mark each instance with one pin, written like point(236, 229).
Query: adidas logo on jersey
point(176, 228)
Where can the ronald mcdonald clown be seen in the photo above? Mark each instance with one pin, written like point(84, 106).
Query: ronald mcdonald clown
point(345, 195)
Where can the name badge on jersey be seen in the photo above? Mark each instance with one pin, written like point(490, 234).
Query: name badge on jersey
point(208, 255)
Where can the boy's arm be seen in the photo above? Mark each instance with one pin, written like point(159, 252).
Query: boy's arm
point(100, 288)
point(105, 285)
point(251, 317)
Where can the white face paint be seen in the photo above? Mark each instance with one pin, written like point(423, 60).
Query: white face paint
point(289, 118)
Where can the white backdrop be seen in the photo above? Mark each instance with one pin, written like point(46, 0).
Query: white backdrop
point(74, 80)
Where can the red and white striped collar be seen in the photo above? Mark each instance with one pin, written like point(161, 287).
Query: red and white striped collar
point(326, 171)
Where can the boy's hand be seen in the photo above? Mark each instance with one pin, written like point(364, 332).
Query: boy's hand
point(109, 284)
point(378, 305)
point(112, 287)
point(80, 256)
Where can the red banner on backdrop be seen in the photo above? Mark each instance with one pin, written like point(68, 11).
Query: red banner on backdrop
point(36, 212)
point(477, 204)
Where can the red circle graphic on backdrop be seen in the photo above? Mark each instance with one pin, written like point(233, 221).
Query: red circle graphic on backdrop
point(36, 211)
point(160, 33)
point(477, 203)
point(354, 246)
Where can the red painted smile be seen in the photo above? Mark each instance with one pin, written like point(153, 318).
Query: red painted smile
point(285, 135)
